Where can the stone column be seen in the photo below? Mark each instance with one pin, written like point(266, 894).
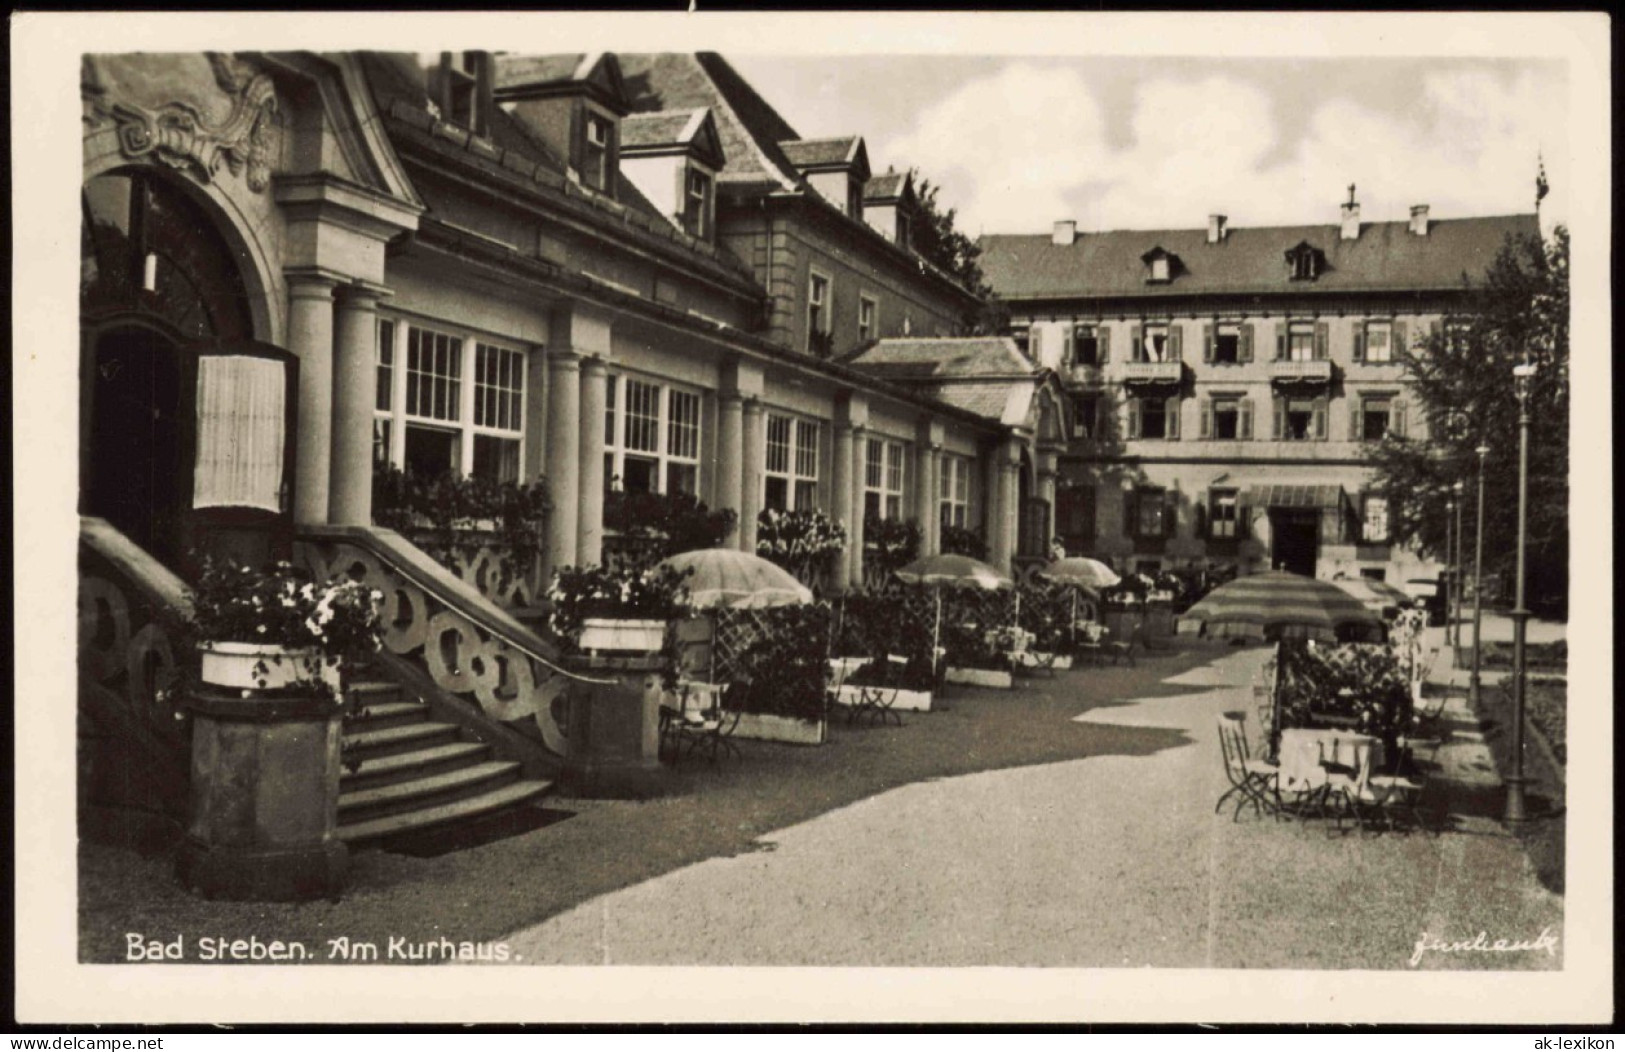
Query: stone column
point(730, 461)
point(590, 507)
point(310, 336)
point(563, 455)
point(1008, 457)
point(860, 453)
point(840, 489)
point(993, 512)
point(753, 452)
point(355, 386)
point(1047, 473)
point(925, 495)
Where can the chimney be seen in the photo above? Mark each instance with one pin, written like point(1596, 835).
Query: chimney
point(1215, 229)
point(1419, 220)
point(1351, 217)
point(1066, 232)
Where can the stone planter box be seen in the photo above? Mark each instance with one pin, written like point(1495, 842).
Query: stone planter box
point(842, 667)
point(622, 636)
point(901, 700)
point(260, 666)
point(980, 677)
point(1035, 658)
point(762, 727)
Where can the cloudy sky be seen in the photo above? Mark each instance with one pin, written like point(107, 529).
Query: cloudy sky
point(1132, 142)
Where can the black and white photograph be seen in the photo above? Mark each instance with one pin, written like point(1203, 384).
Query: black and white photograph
point(813, 518)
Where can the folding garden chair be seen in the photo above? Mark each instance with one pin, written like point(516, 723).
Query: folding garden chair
point(1252, 781)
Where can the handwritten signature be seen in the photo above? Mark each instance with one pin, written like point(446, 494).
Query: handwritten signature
point(1481, 944)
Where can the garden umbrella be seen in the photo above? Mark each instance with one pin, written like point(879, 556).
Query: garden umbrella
point(1281, 606)
point(953, 569)
point(739, 580)
point(1376, 595)
point(1089, 574)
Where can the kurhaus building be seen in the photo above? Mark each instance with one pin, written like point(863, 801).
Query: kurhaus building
point(1227, 384)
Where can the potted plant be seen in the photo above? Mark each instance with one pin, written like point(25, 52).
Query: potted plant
point(800, 541)
point(276, 629)
point(604, 609)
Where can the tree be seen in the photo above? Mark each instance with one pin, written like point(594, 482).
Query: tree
point(937, 240)
point(1462, 376)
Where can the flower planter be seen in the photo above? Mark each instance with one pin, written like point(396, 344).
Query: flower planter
point(760, 726)
point(901, 700)
point(259, 666)
point(980, 677)
point(1040, 659)
point(622, 636)
point(842, 667)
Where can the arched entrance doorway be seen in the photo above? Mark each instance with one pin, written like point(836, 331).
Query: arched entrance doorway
point(159, 292)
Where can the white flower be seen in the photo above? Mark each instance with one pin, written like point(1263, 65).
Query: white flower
point(260, 629)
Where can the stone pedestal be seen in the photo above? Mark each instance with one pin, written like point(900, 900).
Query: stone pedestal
point(614, 727)
point(264, 800)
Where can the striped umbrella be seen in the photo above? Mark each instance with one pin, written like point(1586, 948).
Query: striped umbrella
point(736, 579)
point(1378, 596)
point(1088, 574)
point(953, 570)
point(1280, 605)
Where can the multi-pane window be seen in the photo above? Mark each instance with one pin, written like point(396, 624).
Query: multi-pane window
point(1379, 342)
point(1227, 343)
point(1085, 345)
point(1086, 416)
point(1153, 345)
point(1227, 418)
point(1375, 416)
point(439, 409)
point(1222, 514)
point(792, 464)
point(818, 317)
point(1153, 418)
point(697, 203)
point(1300, 342)
point(1374, 524)
point(1151, 514)
point(883, 480)
point(596, 151)
point(651, 437)
point(954, 490)
point(1301, 419)
point(868, 310)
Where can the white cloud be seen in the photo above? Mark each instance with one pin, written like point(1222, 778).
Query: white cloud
point(1019, 149)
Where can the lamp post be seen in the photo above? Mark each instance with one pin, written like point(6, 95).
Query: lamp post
point(1457, 592)
point(1483, 452)
point(1515, 806)
point(1449, 539)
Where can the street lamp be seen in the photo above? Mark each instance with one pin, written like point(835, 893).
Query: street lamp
point(1515, 807)
point(1455, 570)
point(1483, 452)
point(1449, 562)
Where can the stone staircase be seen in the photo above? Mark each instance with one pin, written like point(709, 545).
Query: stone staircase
point(416, 773)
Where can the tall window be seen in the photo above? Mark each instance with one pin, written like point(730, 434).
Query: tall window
point(1153, 345)
point(1228, 417)
point(1374, 524)
point(1227, 343)
point(954, 490)
point(1022, 335)
point(903, 233)
point(883, 480)
point(1153, 418)
point(1151, 514)
point(1375, 417)
point(1222, 514)
point(1086, 416)
point(447, 410)
point(1300, 419)
point(1379, 342)
point(1085, 345)
point(595, 153)
point(1300, 342)
point(868, 311)
point(792, 464)
point(818, 319)
point(651, 437)
point(697, 203)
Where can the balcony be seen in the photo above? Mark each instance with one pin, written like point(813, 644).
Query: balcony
point(1153, 373)
point(1314, 372)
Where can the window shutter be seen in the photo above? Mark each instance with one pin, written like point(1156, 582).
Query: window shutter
point(1280, 342)
point(1396, 339)
point(1176, 341)
point(1170, 514)
point(1241, 518)
point(1201, 519)
point(1206, 426)
point(1134, 418)
point(1131, 508)
point(1356, 415)
point(1135, 350)
point(1207, 343)
point(1359, 342)
point(1280, 419)
point(1246, 350)
point(1036, 346)
point(1323, 341)
point(1320, 418)
point(1433, 329)
point(1103, 344)
point(1244, 425)
point(1396, 422)
point(1172, 416)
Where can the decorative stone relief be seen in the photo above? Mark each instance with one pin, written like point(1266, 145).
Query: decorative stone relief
point(179, 135)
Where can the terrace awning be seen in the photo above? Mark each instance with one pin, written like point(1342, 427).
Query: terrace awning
point(1286, 495)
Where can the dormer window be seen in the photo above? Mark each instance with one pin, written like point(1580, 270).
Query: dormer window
point(854, 199)
point(461, 88)
point(1304, 262)
point(1159, 266)
point(697, 203)
point(597, 150)
point(903, 232)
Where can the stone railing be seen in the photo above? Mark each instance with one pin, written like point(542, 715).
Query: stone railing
point(482, 560)
point(1153, 372)
point(131, 612)
point(1312, 372)
point(467, 644)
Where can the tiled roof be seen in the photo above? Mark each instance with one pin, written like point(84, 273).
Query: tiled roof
point(886, 187)
point(540, 69)
point(984, 399)
point(1249, 260)
point(749, 127)
point(805, 153)
point(948, 358)
point(660, 129)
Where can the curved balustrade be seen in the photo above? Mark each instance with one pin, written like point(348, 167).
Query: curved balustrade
point(484, 562)
point(465, 641)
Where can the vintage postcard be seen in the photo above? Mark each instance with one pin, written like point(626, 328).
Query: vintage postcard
point(812, 518)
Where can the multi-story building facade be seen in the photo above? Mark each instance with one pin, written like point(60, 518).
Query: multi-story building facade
point(1227, 385)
